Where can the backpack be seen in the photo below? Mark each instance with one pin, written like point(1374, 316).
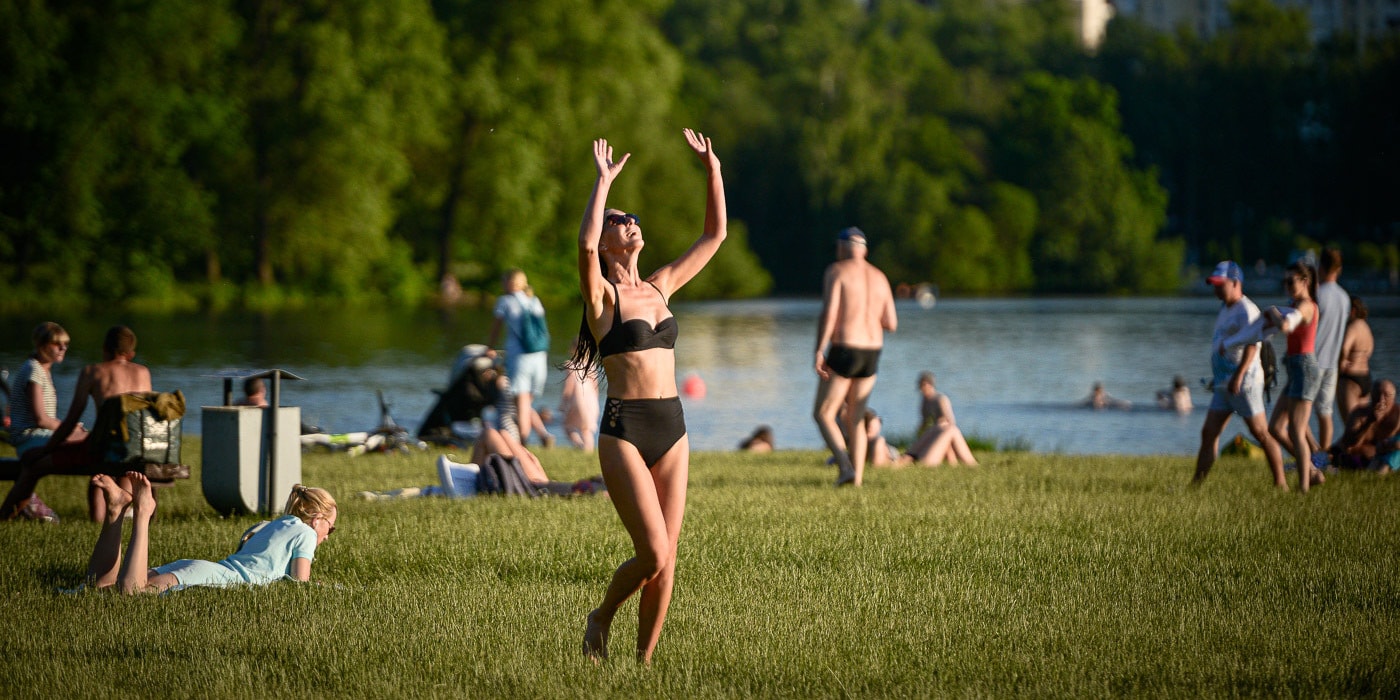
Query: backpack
point(1269, 361)
point(504, 477)
point(534, 332)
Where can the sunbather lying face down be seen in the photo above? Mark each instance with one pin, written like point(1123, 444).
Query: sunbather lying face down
point(272, 550)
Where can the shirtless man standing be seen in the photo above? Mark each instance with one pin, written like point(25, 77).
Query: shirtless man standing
point(115, 375)
point(857, 309)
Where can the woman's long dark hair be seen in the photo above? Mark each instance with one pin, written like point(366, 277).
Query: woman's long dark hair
point(585, 360)
point(1307, 272)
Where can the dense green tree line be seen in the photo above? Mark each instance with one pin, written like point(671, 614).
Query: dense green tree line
point(161, 152)
point(1267, 142)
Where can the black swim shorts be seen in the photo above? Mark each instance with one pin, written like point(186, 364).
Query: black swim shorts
point(853, 363)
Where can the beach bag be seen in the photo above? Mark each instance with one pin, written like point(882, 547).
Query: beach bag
point(141, 427)
point(1268, 359)
point(534, 332)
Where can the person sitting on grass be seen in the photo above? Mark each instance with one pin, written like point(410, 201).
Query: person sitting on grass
point(940, 440)
point(34, 412)
point(940, 444)
point(1369, 439)
point(273, 550)
point(116, 374)
point(878, 451)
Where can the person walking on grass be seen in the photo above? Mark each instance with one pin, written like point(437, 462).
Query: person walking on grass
point(857, 311)
point(628, 333)
point(273, 550)
point(525, 366)
point(1293, 411)
point(1238, 376)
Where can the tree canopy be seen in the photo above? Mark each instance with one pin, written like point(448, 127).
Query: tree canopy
point(166, 154)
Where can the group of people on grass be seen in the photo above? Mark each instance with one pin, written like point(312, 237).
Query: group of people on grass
point(628, 336)
point(1327, 359)
point(45, 444)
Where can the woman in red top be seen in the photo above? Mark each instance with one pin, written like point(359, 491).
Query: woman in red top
point(1289, 424)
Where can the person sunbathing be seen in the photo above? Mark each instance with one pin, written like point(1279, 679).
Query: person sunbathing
point(270, 551)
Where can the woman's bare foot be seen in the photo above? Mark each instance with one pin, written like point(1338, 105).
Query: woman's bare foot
point(117, 499)
point(595, 637)
point(144, 497)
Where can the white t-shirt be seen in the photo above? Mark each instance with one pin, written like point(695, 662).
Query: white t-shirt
point(1235, 329)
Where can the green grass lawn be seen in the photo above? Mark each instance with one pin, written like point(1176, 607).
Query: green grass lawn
point(1042, 575)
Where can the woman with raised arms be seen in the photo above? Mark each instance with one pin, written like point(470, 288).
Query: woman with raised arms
point(629, 335)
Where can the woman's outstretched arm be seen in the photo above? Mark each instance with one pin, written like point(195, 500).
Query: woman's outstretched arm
point(590, 271)
point(684, 268)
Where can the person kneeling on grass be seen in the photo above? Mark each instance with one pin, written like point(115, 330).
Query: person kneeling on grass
point(272, 550)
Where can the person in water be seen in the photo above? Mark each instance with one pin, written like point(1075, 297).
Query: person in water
point(628, 333)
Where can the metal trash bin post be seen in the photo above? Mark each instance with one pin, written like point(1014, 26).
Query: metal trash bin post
point(251, 454)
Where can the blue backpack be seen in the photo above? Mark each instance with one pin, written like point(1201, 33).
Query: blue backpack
point(534, 332)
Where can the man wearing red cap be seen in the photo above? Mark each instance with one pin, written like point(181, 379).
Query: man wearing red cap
point(1238, 376)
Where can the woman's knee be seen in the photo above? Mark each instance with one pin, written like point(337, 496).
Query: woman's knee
point(653, 558)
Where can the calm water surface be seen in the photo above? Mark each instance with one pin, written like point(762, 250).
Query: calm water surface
point(1014, 368)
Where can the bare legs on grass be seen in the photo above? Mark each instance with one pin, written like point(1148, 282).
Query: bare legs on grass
point(846, 438)
point(106, 567)
point(937, 445)
point(651, 505)
point(1210, 446)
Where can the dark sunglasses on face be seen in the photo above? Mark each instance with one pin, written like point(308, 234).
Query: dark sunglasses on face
point(621, 219)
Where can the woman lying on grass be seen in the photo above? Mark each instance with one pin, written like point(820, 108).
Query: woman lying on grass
point(273, 550)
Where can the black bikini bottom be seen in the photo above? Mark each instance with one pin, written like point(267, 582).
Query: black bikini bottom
point(1362, 381)
point(653, 426)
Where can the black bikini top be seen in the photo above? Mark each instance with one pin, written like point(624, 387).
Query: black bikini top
point(637, 334)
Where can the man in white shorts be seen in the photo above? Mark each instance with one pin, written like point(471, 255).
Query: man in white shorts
point(1238, 376)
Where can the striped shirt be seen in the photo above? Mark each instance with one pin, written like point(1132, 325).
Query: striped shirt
point(23, 417)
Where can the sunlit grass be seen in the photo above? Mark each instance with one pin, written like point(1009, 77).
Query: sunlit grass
point(1030, 575)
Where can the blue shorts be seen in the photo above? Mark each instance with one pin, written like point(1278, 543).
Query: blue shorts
point(527, 372)
point(198, 572)
point(1304, 377)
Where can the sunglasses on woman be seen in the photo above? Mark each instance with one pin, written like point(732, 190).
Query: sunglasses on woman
point(621, 219)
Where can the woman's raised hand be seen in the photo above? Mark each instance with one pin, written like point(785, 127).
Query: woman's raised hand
point(701, 145)
point(603, 157)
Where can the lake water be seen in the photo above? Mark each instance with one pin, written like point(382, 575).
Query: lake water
point(1014, 368)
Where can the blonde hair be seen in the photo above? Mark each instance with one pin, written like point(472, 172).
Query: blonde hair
point(309, 503)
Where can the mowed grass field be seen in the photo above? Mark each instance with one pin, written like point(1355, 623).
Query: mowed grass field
point(1039, 575)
